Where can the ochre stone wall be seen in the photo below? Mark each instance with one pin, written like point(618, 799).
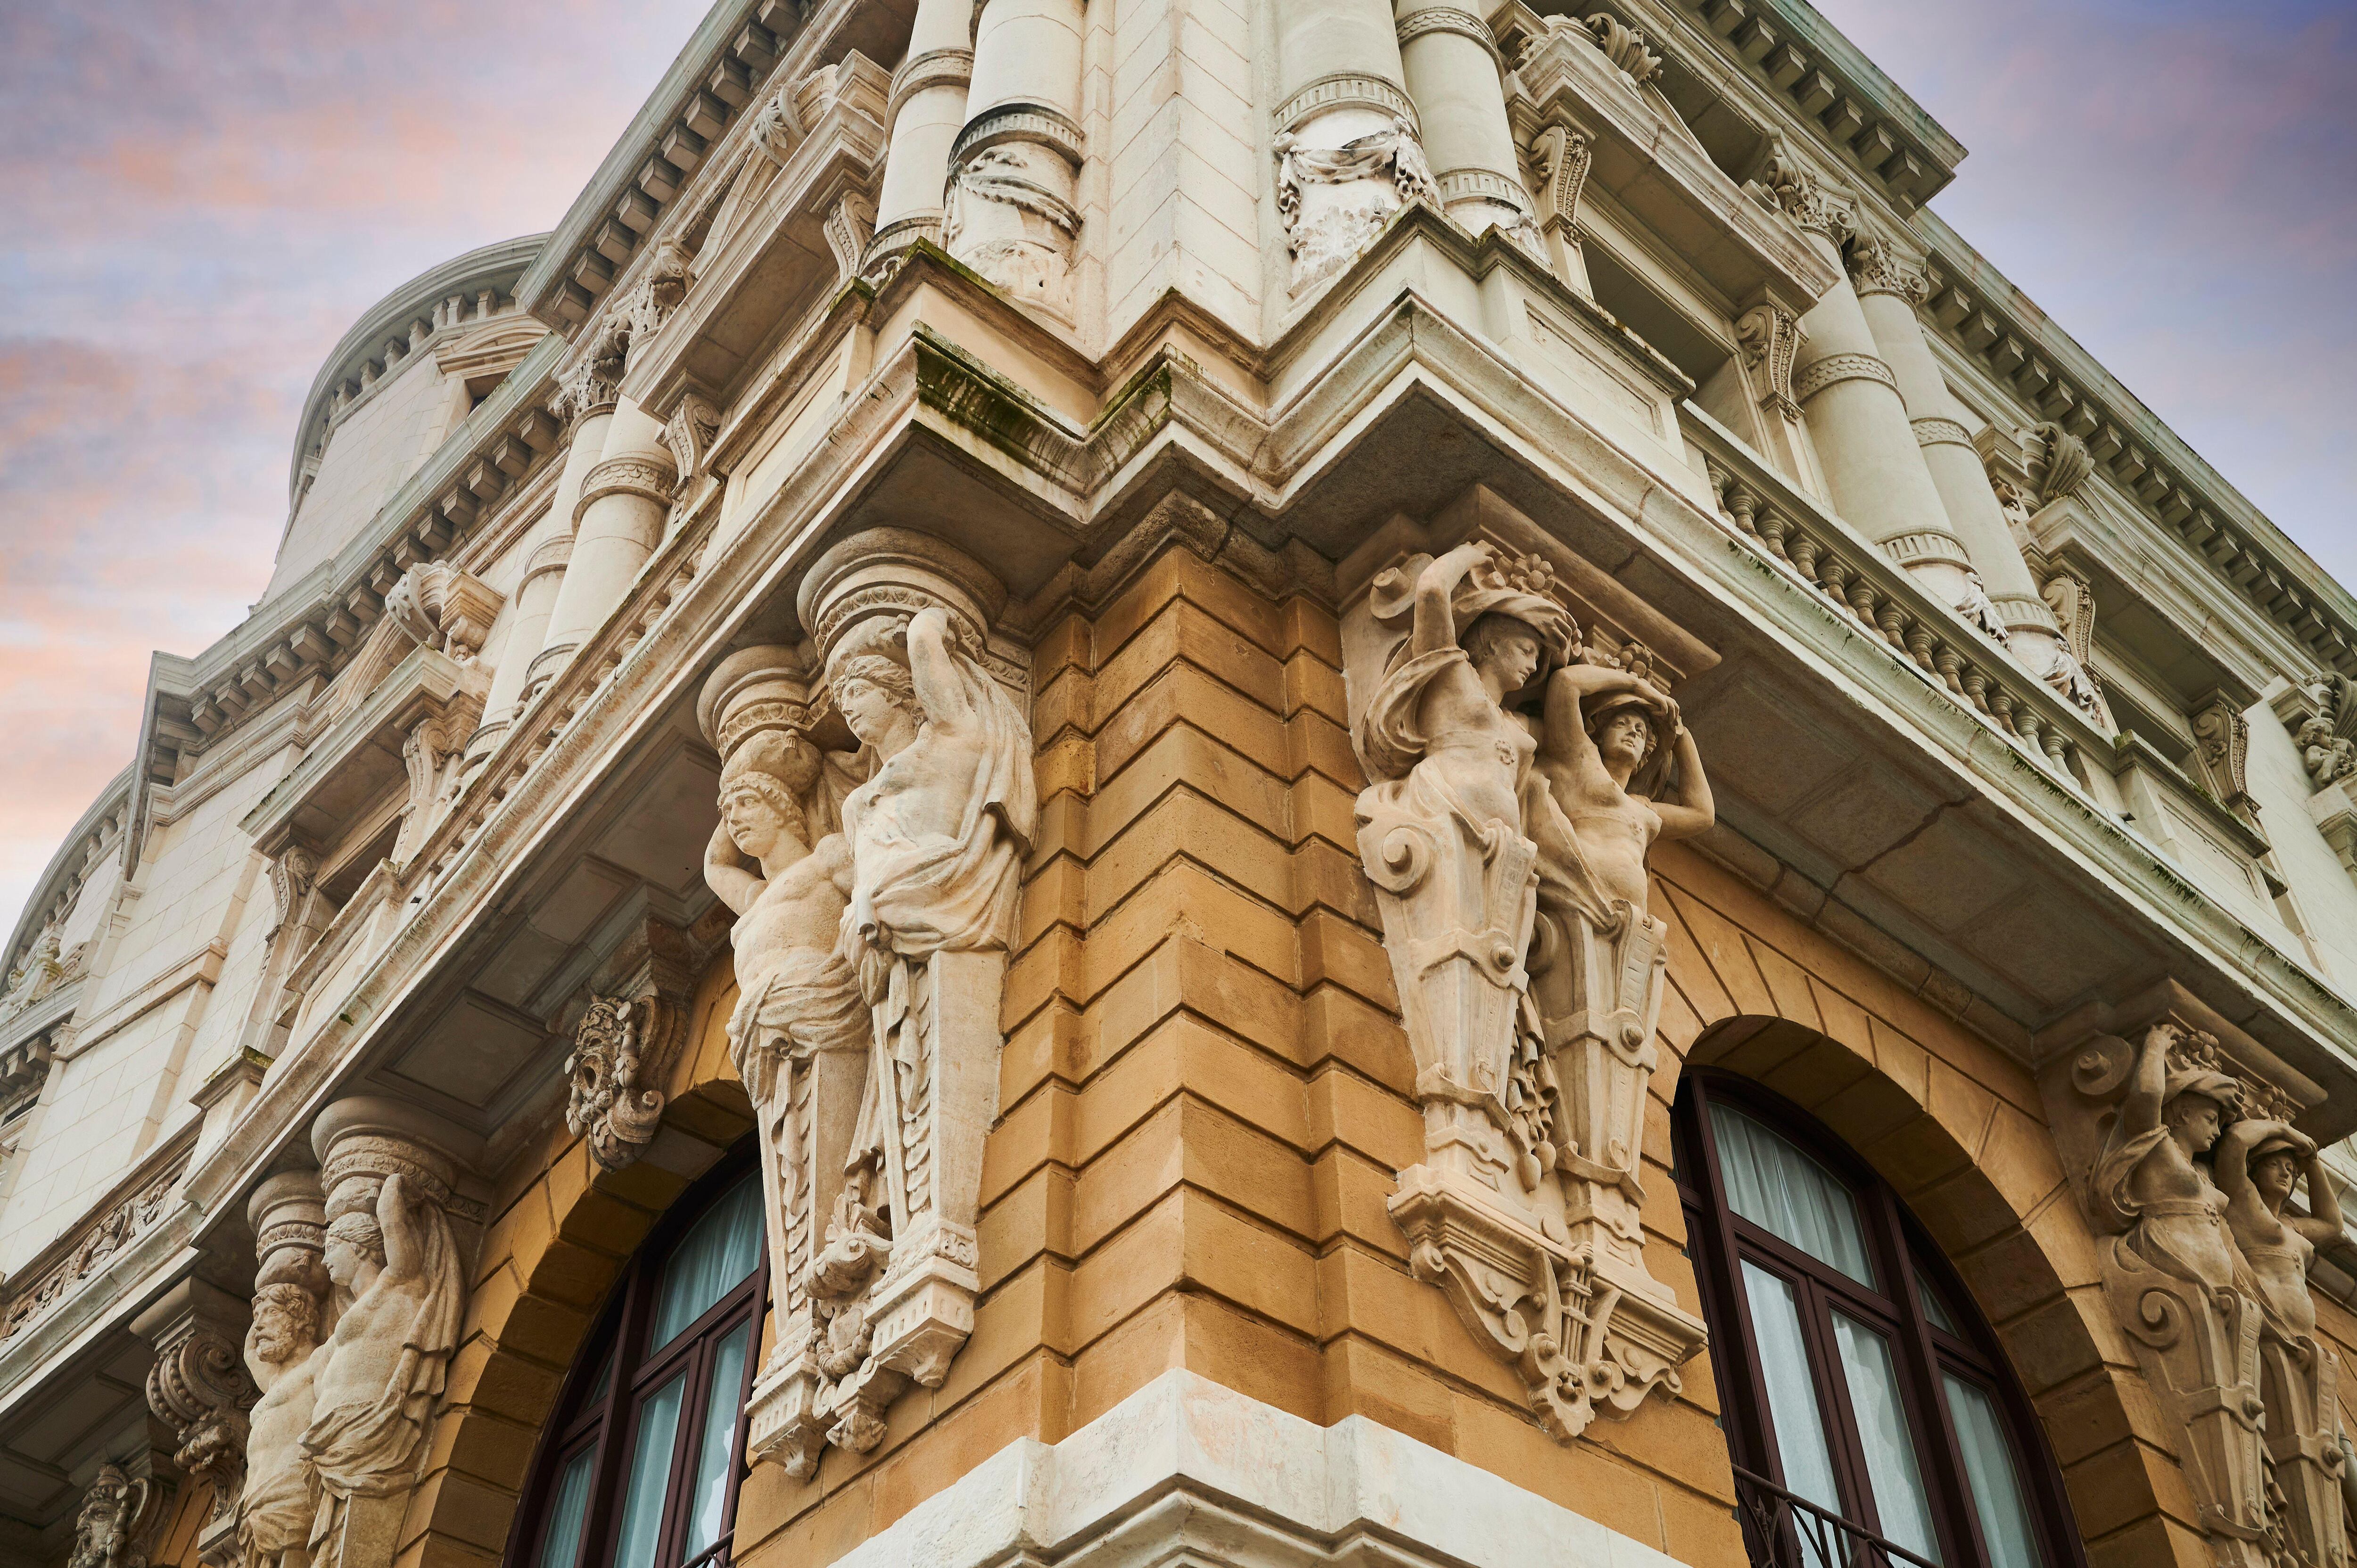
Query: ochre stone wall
point(1203, 1097)
point(559, 1233)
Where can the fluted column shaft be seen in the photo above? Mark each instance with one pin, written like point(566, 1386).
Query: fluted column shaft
point(617, 524)
point(587, 445)
point(1887, 292)
point(1450, 64)
point(926, 113)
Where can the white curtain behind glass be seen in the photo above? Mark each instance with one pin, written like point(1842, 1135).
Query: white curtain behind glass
point(717, 1252)
point(1792, 1387)
point(1996, 1484)
point(1776, 1187)
point(1883, 1433)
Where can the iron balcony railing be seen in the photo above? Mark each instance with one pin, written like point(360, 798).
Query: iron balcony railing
point(1784, 1530)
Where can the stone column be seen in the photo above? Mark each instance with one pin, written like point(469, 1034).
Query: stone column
point(1450, 63)
point(616, 526)
point(925, 113)
point(1887, 292)
point(1010, 213)
point(1874, 471)
point(535, 598)
point(1347, 144)
point(536, 659)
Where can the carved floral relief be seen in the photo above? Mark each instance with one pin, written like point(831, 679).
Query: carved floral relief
point(1518, 781)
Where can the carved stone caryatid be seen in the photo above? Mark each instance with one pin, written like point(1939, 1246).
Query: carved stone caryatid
point(1510, 871)
point(923, 887)
point(802, 1031)
point(197, 1387)
point(2260, 1162)
point(2139, 1122)
point(2326, 728)
point(272, 1524)
point(398, 1286)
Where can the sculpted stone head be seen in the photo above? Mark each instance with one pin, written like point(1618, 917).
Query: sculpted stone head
point(285, 1325)
point(762, 788)
point(1505, 645)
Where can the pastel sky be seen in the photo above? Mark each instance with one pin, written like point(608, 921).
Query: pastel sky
point(207, 192)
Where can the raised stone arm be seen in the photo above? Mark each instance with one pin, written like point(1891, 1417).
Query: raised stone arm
point(1694, 811)
point(1435, 625)
point(2148, 1085)
point(2323, 1226)
point(938, 690)
point(725, 873)
point(405, 1249)
point(1566, 737)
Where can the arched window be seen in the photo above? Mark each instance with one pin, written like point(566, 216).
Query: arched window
point(639, 1465)
point(1867, 1405)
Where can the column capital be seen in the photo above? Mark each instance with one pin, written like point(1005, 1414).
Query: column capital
point(1875, 267)
point(1806, 200)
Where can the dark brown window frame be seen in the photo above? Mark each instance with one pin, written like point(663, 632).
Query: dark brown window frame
point(1718, 1241)
point(611, 1420)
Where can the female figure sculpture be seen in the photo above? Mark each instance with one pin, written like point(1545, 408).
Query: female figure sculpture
point(396, 1272)
point(1438, 718)
point(1601, 727)
point(274, 1522)
point(2146, 1182)
point(2258, 1165)
point(937, 833)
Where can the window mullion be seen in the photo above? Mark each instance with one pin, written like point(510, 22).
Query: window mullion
point(1920, 1370)
point(1833, 1399)
point(617, 1424)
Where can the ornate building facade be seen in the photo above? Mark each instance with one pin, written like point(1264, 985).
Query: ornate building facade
point(1230, 783)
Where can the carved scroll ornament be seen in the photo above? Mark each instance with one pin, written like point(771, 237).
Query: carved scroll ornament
point(876, 798)
point(2185, 1161)
point(1508, 856)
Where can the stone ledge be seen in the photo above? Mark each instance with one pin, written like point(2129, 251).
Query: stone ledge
point(1186, 1462)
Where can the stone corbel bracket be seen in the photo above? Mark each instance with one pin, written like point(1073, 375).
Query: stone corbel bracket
point(199, 1388)
point(625, 1041)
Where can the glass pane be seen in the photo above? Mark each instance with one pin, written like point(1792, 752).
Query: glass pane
point(708, 1491)
point(1792, 1387)
point(1996, 1484)
point(1883, 1435)
point(570, 1512)
point(1784, 1192)
point(717, 1252)
point(642, 1502)
point(1936, 1307)
point(596, 1394)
